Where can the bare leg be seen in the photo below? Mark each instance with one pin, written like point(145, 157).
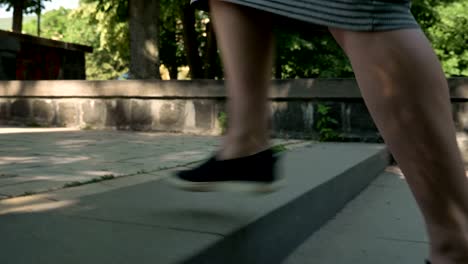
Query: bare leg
point(406, 92)
point(246, 41)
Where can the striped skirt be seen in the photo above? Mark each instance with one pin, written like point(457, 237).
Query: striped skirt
point(356, 15)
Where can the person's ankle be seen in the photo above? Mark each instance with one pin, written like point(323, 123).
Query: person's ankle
point(236, 147)
point(450, 253)
point(450, 245)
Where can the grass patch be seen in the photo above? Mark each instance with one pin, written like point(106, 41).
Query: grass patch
point(278, 148)
point(87, 127)
point(33, 124)
point(93, 180)
point(8, 175)
point(72, 184)
point(27, 193)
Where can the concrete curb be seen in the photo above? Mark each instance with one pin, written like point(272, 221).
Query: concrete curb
point(264, 242)
point(169, 226)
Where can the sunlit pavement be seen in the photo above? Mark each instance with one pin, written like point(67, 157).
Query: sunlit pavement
point(35, 160)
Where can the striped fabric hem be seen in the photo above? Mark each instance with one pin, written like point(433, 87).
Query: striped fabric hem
point(356, 15)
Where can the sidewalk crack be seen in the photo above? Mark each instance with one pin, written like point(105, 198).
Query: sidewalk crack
point(144, 225)
point(402, 240)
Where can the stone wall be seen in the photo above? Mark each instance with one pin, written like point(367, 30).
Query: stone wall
point(192, 116)
point(194, 106)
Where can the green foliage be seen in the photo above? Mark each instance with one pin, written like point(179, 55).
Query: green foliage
point(53, 26)
point(424, 12)
point(223, 122)
point(324, 124)
point(450, 37)
point(117, 7)
point(103, 25)
point(30, 6)
point(278, 148)
point(444, 21)
point(315, 57)
point(172, 47)
point(445, 24)
point(111, 56)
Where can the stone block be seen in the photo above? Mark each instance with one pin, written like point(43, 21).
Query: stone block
point(359, 118)
point(204, 113)
point(141, 115)
point(21, 109)
point(282, 111)
point(462, 140)
point(67, 114)
point(94, 112)
point(292, 118)
point(43, 111)
point(171, 115)
point(460, 115)
point(4, 109)
point(119, 113)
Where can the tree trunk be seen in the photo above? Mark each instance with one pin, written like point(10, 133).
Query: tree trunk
point(144, 32)
point(191, 43)
point(18, 7)
point(173, 72)
point(211, 52)
point(278, 66)
point(168, 46)
point(39, 19)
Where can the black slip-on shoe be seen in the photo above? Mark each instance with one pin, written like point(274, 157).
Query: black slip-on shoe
point(254, 173)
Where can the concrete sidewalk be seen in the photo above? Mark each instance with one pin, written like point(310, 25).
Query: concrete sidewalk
point(34, 160)
point(138, 219)
point(381, 226)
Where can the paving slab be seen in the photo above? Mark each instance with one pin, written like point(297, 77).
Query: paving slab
point(19, 188)
point(47, 238)
point(382, 225)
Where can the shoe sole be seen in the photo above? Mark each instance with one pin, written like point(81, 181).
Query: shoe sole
point(229, 186)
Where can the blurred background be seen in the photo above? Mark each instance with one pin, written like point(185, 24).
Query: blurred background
point(186, 47)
